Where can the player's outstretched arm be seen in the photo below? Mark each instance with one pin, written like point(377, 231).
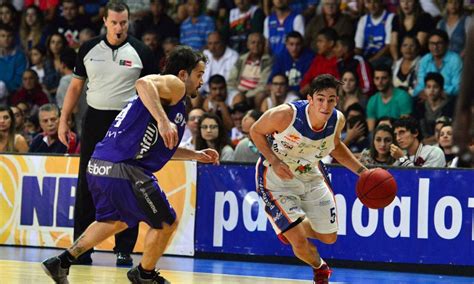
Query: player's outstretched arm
point(272, 121)
point(344, 156)
point(203, 156)
point(155, 90)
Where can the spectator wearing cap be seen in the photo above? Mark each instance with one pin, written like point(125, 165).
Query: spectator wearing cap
point(448, 63)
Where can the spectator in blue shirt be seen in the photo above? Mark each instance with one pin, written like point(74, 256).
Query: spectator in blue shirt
point(195, 29)
point(293, 61)
point(440, 60)
point(12, 60)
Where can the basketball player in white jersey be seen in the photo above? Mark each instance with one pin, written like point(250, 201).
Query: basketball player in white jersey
point(291, 179)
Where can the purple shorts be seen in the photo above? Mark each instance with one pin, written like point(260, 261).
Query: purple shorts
point(122, 192)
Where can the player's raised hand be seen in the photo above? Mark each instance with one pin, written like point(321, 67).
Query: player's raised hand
point(169, 133)
point(63, 132)
point(208, 156)
point(282, 170)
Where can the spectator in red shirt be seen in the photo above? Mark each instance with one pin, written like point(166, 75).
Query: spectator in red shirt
point(325, 62)
point(30, 92)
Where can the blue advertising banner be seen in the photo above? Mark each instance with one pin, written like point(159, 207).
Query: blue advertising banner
point(430, 221)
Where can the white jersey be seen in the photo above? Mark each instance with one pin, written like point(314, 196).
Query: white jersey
point(300, 146)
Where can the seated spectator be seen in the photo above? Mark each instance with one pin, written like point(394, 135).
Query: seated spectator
point(411, 21)
point(436, 104)
point(379, 152)
point(237, 113)
point(354, 109)
point(68, 61)
point(195, 29)
point(31, 28)
point(455, 23)
point(192, 129)
point(213, 135)
point(47, 141)
point(219, 102)
point(348, 61)
point(246, 151)
point(278, 24)
point(167, 46)
point(19, 120)
point(356, 137)
point(86, 35)
point(221, 59)
point(325, 61)
point(37, 61)
point(411, 152)
point(385, 120)
point(12, 60)
point(331, 17)
point(151, 39)
point(48, 8)
point(388, 101)
point(250, 73)
point(279, 93)
point(244, 19)
point(32, 127)
point(294, 61)
point(55, 44)
point(10, 141)
point(30, 92)
point(445, 141)
point(350, 93)
point(440, 60)
point(440, 121)
point(372, 37)
point(404, 69)
point(157, 20)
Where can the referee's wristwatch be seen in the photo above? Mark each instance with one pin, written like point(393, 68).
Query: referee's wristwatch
point(403, 159)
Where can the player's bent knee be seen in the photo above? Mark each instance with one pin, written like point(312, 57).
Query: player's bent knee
point(328, 238)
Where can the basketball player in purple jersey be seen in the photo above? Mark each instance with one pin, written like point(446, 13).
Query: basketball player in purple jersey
point(291, 179)
point(141, 140)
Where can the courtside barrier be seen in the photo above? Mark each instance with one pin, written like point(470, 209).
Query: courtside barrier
point(430, 221)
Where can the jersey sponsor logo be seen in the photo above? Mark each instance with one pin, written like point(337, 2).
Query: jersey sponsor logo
point(124, 62)
point(96, 170)
point(149, 139)
point(293, 137)
point(97, 60)
point(286, 145)
point(179, 119)
point(146, 197)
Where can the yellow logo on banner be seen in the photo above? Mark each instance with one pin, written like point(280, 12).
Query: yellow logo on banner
point(8, 196)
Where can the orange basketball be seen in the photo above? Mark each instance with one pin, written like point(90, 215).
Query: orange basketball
point(376, 188)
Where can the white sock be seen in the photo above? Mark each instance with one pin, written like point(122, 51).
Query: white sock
point(321, 263)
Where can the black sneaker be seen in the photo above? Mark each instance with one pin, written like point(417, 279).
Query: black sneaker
point(124, 259)
point(52, 267)
point(84, 259)
point(134, 277)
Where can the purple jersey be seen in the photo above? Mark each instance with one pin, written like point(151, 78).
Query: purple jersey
point(133, 137)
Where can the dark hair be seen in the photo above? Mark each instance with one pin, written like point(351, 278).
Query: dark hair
point(5, 27)
point(417, 10)
point(48, 41)
point(383, 68)
point(351, 122)
point(41, 49)
point(435, 76)
point(410, 124)
point(412, 37)
point(183, 58)
point(347, 41)
point(324, 82)
point(390, 119)
point(373, 151)
point(10, 147)
point(294, 34)
point(255, 114)
point(281, 75)
point(217, 79)
point(354, 107)
point(329, 33)
point(116, 6)
point(242, 107)
point(68, 57)
point(442, 34)
point(222, 138)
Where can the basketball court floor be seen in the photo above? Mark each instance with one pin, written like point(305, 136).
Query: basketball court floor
point(20, 265)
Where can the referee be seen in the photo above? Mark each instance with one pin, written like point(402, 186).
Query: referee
point(111, 63)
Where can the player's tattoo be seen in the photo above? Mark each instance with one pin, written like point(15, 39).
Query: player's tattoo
point(361, 169)
point(76, 248)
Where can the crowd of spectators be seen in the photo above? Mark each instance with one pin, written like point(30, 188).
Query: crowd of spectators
point(400, 61)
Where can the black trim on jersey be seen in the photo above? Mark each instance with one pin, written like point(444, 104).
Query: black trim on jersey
point(80, 68)
point(146, 56)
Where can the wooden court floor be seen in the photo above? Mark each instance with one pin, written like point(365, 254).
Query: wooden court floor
point(20, 265)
